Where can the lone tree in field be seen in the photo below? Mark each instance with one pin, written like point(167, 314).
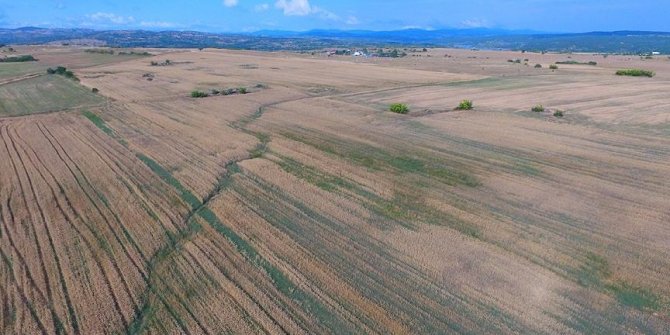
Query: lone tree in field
point(399, 108)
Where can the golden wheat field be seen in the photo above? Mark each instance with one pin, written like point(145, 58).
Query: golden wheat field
point(305, 207)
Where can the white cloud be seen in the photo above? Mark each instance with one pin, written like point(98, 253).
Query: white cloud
point(476, 23)
point(157, 24)
point(303, 8)
point(262, 7)
point(230, 3)
point(352, 20)
point(294, 7)
point(101, 17)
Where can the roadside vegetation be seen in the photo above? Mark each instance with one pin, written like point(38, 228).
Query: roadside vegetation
point(635, 73)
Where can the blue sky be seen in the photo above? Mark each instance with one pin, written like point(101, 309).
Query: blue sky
point(252, 15)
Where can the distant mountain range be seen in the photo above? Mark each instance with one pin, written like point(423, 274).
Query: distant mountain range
point(632, 42)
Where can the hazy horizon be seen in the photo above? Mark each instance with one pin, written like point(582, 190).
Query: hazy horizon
point(556, 16)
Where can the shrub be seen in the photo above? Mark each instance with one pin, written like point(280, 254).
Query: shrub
point(558, 113)
point(574, 62)
point(553, 67)
point(538, 109)
point(100, 51)
point(538, 66)
point(242, 90)
point(95, 90)
point(635, 73)
point(399, 108)
point(62, 71)
point(465, 105)
point(199, 94)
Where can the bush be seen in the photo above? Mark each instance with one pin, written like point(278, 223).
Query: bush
point(95, 90)
point(538, 66)
point(553, 67)
point(242, 90)
point(399, 108)
point(538, 109)
point(635, 73)
point(574, 62)
point(63, 71)
point(558, 113)
point(199, 94)
point(465, 105)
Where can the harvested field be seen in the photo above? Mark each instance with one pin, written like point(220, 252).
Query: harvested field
point(306, 207)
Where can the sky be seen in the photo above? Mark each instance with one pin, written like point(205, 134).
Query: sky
point(300, 15)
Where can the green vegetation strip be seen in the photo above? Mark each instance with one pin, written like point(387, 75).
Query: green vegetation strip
point(98, 122)
point(635, 73)
point(596, 273)
point(283, 283)
point(378, 159)
point(186, 195)
point(18, 59)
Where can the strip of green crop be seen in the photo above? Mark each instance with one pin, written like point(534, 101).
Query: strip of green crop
point(98, 122)
point(185, 194)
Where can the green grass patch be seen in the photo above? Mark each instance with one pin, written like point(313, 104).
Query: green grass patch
point(378, 159)
point(635, 73)
point(594, 271)
point(44, 94)
point(636, 297)
point(9, 70)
